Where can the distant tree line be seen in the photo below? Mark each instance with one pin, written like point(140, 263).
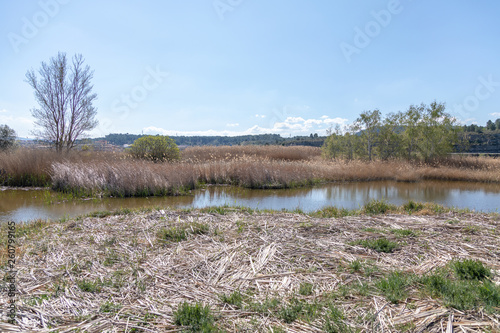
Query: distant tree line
point(260, 139)
point(421, 132)
point(491, 126)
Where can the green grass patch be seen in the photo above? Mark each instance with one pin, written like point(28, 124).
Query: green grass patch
point(306, 289)
point(462, 294)
point(173, 234)
point(109, 307)
point(235, 298)
point(380, 244)
point(269, 304)
point(89, 286)
point(355, 266)
point(404, 232)
point(181, 232)
point(195, 317)
point(412, 207)
point(329, 212)
point(197, 228)
point(334, 321)
point(290, 312)
point(395, 286)
point(374, 207)
point(469, 269)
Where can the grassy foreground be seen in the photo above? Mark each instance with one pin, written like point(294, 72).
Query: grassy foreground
point(416, 268)
point(110, 174)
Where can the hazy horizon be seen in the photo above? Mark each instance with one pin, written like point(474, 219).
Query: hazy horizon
point(219, 67)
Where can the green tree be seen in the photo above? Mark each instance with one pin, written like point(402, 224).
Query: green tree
point(389, 138)
point(438, 132)
point(156, 148)
point(497, 124)
point(491, 125)
point(368, 126)
point(410, 136)
point(332, 147)
point(7, 137)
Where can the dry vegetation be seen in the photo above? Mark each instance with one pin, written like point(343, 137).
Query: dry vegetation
point(236, 270)
point(252, 166)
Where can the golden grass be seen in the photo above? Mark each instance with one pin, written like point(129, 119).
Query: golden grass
point(248, 166)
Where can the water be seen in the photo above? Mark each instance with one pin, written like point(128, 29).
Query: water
point(28, 204)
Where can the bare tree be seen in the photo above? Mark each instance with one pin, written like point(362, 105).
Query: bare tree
point(65, 99)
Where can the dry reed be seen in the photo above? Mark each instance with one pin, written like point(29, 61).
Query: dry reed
point(225, 153)
point(114, 274)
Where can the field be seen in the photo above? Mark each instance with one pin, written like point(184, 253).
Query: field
point(416, 268)
point(116, 174)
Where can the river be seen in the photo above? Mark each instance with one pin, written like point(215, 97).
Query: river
point(29, 204)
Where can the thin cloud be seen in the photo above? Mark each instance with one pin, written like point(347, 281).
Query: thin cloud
point(291, 125)
point(495, 114)
point(233, 125)
point(3, 111)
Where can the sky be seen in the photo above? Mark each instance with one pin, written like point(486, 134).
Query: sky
point(237, 67)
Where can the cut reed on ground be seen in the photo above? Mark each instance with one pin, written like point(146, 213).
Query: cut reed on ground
point(250, 271)
point(254, 167)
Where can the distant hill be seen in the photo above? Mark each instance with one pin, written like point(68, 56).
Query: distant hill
point(260, 139)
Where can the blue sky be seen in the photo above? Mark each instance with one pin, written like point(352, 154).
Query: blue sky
point(231, 67)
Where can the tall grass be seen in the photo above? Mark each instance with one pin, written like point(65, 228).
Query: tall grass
point(117, 174)
point(227, 153)
point(32, 167)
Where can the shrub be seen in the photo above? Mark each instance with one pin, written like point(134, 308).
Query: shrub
point(156, 148)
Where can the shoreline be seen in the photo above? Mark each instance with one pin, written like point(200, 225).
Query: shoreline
point(256, 271)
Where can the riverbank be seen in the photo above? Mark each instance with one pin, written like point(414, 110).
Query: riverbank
point(240, 270)
point(101, 174)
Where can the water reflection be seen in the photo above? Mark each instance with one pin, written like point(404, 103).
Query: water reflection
point(22, 205)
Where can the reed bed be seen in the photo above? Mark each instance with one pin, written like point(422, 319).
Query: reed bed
point(244, 271)
point(248, 166)
point(31, 167)
point(225, 153)
point(141, 178)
